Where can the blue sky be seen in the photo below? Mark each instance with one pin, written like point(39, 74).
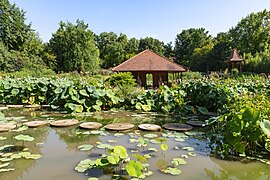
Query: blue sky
point(161, 19)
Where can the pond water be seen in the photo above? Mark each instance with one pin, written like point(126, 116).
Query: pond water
point(60, 155)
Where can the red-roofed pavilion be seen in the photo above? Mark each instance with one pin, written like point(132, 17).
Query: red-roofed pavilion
point(235, 61)
point(148, 62)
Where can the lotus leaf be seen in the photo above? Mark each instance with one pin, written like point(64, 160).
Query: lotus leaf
point(179, 139)
point(203, 110)
point(178, 161)
point(83, 92)
point(188, 148)
point(5, 146)
point(185, 156)
point(80, 169)
point(6, 154)
point(4, 165)
point(6, 170)
point(32, 156)
point(147, 156)
point(112, 141)
point(134, 168)
point(102, 162)
point(15, 91)
point(133, 140)
point(118, 134)
point(16, 156)
point(2, 117)
point(85, 147)
point(164, 147)
point(139, 157)
point(5, 159)
point(191, 154)
point(239, 147)
point(146, 108)
point(121, 151)
point(176, 148)
point(113, 158)
point(96, 132)
point(2, 138)
point(22, 137)
point(172, 171)
point(148, 173)
point(150, 135)
point(23, 128)
point(265, 125)
point(92, 178)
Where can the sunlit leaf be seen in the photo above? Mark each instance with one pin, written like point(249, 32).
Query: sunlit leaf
point(22, 137)
point(188, 148)
point(139, 157)
point(164, 147)
point(178, 161)
point(150, 135)
point(191, 154)
point(85, 147)
point(172, 171)
point(134, 168)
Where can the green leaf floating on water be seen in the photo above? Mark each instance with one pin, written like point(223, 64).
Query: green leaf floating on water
point(188, 148)
point(6, 170)
point(5, 146)
point(164, 147)
point(150, 135)
point(85, 147)
point(2, 138)
point(104, 146)
point(265, 125)
point(139, 157)
point(2, 117)
point(4, 165)
point(152, 149)
point(5, 159)
point(178, 161)
point(203, 110)
point(92, 178)
point(172, 171)
point(32, 156)
point(191, 154)
point(146, 108)
point(23, 128)
point(134, 168)
point(22, 137)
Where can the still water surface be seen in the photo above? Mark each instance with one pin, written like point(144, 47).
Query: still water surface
point(58, 147)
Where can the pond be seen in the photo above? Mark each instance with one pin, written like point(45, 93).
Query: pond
point(60, 155)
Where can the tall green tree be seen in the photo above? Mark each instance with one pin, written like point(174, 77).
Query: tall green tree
point(132, 48)
point(252, 33)
point(153, 44)
point(169, 50)
point(74, 48)
point(187, 41)
point(14, 32)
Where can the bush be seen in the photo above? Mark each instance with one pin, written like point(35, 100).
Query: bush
point(121, 79)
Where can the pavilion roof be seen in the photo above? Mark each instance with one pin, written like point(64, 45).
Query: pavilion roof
point(235, 57)
point(148, 60)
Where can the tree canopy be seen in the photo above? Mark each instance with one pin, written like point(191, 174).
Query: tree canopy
point(74, 48)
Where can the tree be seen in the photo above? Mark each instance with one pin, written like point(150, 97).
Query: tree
point(74, 48)
point(169, 51)
point(132, 48)
point(252, 33)
point(14, 32)
point(153, 44)
point(187, 41)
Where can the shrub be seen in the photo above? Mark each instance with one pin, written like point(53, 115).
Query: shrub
point(121, 79)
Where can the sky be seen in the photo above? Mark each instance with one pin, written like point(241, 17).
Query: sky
point(161, 19)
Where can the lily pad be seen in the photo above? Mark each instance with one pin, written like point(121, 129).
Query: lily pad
point(6, 127)
point(7, 170)
point(177, 127)
point(150, 135)
point(163, 147)
point(91, 125)
point(22, 128)
point(149, 127)
point(172, 171)
point(191, 154)
point(32, 156)
point(35, 123)
point(4, 165)
point(196, 123)
point(119, 126)
point(188, 148)
point(85, 147)
point(118, 134)
point(2, 138)
point(64, 123)
point(104, 146)
point(152, 149)
point(22, 137)
point(178, 161)
point(265, 125)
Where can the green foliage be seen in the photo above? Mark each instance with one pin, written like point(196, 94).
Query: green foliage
point(74, 48)
point(122, 79)
point(153, 44)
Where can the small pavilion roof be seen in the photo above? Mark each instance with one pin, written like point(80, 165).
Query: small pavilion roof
point(148, 60)
point(235, 56)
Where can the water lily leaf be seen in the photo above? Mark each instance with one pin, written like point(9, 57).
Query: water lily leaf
point(113, 158)
point(2, 138)
point(139, 157)
point(23, 128)
point(83, 92)
point(15, 91)
point(80, 169)
point(154, 141)
point(164, 147)
point(265, 125)
point(4, 165)
point(172, 171)
point(112, 141)
point(6, 154)
point(152, 149)
point(176, 148)
point(104, 146)
point(32, 156)
point(150, 135)
point(138, 106)
point(102, 162)
point(179, 139)
point(148, 173)
point(92, 178)
point(85, 147)
point(188, 148)
point(147, 156)
point(5, 146)
point(178, 161)
point(185, 156)
point(16, 156)
point(134, 168)
point(96, 132)
point(2, 117)
point(191, 154)
point(5, 159)
point(6, 170)
point(162, 164)
point(133, 140)
point(121, 151)
point(118, 134)
point(22, 137)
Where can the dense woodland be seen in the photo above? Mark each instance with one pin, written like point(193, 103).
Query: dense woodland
point(74, 47)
